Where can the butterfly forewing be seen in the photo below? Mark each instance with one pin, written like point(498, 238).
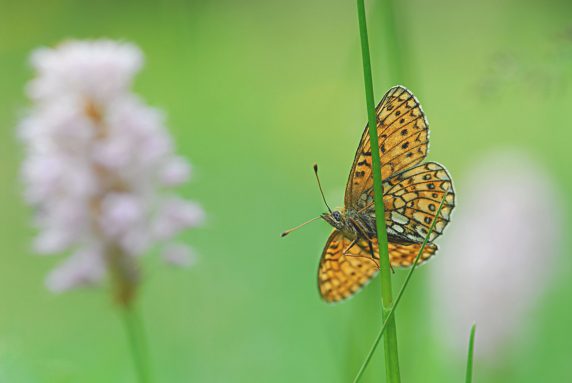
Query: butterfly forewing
point(403, 139)
point(341, 276)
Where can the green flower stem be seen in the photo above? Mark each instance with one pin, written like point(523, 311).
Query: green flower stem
point(137, 344)
point(390, 341)
point(401, 291)
point(469, 375)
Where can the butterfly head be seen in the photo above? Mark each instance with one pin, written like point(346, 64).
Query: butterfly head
point(336, 218)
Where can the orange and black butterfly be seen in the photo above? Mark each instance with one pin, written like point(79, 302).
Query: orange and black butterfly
point(412, 193)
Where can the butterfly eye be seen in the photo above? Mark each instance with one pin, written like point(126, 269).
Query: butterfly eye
point(337, 215)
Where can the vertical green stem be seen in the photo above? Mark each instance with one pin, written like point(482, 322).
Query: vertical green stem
point(390, 340)
point(469, 374)
point(137, 344)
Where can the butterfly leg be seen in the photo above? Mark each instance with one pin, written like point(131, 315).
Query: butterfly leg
point(370, 244)
point(346, 252)
point(347, 249)
point(372, 256)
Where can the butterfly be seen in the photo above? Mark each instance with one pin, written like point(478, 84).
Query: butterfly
point(412, 193)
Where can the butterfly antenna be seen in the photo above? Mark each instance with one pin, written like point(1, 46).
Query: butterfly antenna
point(320, 186)
point(299, 226)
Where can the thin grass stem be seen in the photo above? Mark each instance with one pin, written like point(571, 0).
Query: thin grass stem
point(469, 374)
point(390, 341)
point(400, 294)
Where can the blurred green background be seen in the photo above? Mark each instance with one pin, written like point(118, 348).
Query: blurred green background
point(256, 92)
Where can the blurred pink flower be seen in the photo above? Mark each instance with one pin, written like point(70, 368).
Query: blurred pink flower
point(178, 255)
point(498, 254)
point(99, 163)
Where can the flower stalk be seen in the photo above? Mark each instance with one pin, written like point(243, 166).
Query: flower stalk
point(390, 340)
point(124, 273)
point(137, 342)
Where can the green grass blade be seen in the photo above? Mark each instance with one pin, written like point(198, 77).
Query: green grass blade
point(390, 341)
point(401, 291)
point(469, 375)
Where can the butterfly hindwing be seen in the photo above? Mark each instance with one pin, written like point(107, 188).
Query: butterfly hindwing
point(341, 275)
point(403, 142)
point(400, 255)
point(404, 255)
point(411, 200)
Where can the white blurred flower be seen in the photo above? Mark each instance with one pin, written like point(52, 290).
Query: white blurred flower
point(81, 269)
point(178, 255)
point(100, 71)
point(498, 254)
point(99, 163)
point(176, 215)
point(176, 172)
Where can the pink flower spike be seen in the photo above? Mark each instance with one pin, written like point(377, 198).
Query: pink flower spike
point(99, 165)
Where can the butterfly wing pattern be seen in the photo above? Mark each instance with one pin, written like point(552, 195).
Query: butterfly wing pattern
point(411, 199)
point(342, 275)
point(403, 133)
point(412, 193)
point(404, 255)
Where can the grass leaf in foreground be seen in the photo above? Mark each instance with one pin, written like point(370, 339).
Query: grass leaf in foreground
point(469, 375)
point(384, 326)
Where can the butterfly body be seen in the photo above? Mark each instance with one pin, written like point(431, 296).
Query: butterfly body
point(412, 192)
point(352, 223)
